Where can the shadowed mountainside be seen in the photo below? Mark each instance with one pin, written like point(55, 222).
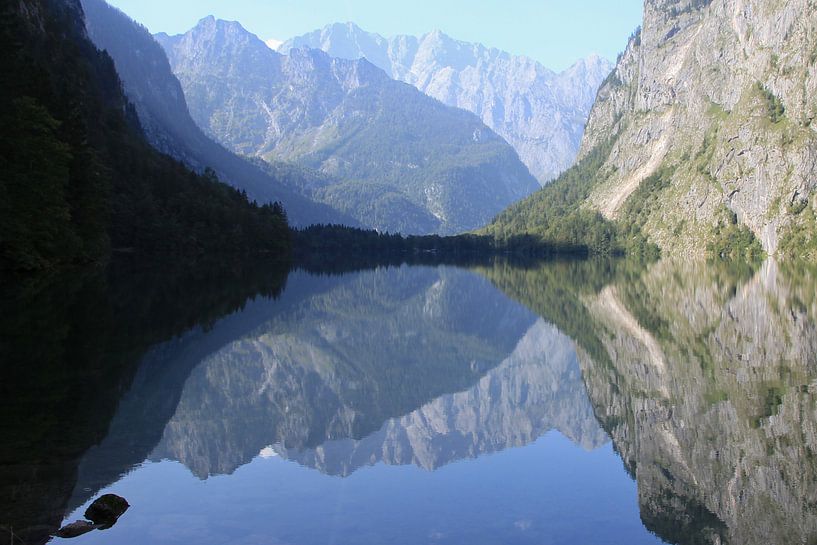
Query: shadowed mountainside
point(161, 106)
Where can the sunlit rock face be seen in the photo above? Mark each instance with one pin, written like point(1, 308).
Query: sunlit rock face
point(708, 390)
point(716, 98)
point(538, 388)
point(376, 347)
point(541, 113)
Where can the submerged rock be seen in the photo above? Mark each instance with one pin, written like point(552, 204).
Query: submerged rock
point(102, 514)
point(107, 509)
point(76, 529)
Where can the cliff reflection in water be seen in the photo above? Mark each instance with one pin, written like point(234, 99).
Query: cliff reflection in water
point(707, 383)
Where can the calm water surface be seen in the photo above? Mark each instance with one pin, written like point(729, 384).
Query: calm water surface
point(577, 402)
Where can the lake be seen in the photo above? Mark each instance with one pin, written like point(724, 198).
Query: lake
point(599, 402)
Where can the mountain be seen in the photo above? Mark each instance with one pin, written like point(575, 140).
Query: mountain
point(395, 159)
point(160, 104)
point(77, 177)
point(703, 137)
point(542, 114)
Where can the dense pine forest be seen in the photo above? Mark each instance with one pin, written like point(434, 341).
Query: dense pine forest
point(78, 180)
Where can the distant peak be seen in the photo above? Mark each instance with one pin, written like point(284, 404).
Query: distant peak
point(592, 62)
point(438, 35)
point(598, 60)
point(348, 28)
point(210, 26)
point(210, 22)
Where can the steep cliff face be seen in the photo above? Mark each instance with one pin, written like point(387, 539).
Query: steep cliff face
point(709, 395)
point(394, 158)
point(539, 112)
point(713, 103)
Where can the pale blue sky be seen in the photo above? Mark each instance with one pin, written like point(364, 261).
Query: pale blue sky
point(555, 32)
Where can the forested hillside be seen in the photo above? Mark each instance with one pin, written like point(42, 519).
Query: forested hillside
point(77, 178)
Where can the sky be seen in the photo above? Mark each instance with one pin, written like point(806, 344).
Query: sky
point(554, 32)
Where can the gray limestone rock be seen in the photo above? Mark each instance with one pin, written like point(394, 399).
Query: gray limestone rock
point(539, 112)
point(719, 95)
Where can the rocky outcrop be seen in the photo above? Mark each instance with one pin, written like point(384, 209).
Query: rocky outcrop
point(709, 395)
point(392, 157)
point(714, 99)
point(539, 112)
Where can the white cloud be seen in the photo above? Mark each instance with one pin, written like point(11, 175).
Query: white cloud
point(274, 44)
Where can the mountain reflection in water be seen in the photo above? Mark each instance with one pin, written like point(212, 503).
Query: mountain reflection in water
point(702, 376)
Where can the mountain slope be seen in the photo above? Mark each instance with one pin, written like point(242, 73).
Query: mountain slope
point(702, 139)
point(160, 103)
point(405, 162)
point(540, 113)
point(713, 104)
point(77, 178)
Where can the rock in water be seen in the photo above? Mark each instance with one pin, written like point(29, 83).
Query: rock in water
point(107, 509)
point(75, 529)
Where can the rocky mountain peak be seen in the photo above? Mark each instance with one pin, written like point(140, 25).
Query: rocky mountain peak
point(540, 113)
point(164, 115)
point(392, 157)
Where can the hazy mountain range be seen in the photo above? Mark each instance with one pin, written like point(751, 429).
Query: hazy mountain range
point(394, 158)
point(338, 141)
point(541, 113)
point(161, 106)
